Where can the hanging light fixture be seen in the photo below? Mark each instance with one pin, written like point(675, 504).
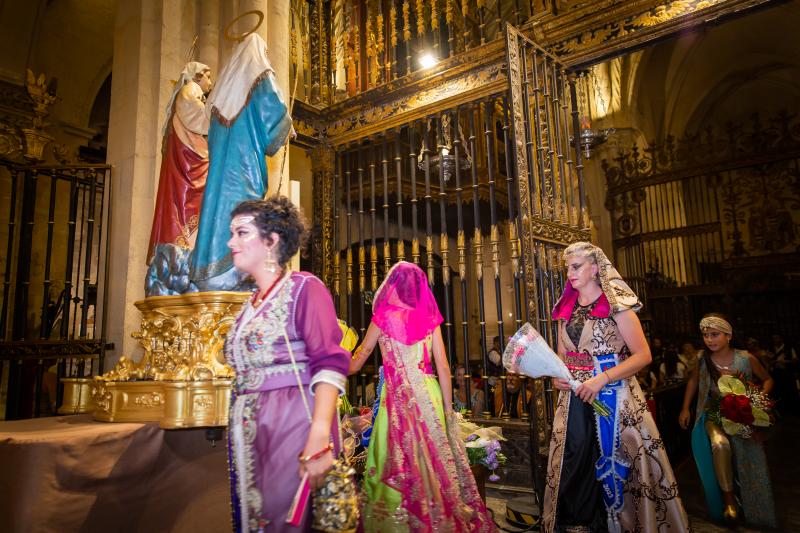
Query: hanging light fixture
point(444, 157)
point(589, 138)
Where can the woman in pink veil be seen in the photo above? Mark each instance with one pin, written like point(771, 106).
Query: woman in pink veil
point(417, 475)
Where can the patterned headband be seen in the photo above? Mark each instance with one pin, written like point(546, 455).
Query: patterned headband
point(715, 322)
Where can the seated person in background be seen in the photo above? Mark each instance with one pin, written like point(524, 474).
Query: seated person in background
point(513, 395)
point(478, 399)
point(672, 369)
point(689, 355)
point(460, 393)
point(495, 358)
point(647, 379)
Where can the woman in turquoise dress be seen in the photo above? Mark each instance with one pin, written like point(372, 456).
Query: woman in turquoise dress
point(726, 461)
point(417, 476)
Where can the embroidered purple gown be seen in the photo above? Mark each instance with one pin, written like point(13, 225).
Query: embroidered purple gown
point(268, 425)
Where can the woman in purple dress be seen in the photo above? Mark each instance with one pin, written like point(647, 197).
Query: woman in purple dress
point(271, 443)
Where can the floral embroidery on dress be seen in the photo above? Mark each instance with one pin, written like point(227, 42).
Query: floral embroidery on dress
point(651, 501)
point(253, 360)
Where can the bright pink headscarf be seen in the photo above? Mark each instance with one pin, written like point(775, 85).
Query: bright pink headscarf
point(404, 307)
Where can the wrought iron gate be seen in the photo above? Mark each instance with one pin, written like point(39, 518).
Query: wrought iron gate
point(552, 206)
point(54, 274)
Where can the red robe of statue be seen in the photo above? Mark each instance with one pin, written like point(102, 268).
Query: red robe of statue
point(184, 168)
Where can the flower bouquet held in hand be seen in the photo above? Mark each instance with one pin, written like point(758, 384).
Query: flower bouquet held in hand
point(483, 445)
point(528, 353)
point(741, 407)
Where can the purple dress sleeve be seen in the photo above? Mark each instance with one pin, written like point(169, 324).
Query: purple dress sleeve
point(316, 323)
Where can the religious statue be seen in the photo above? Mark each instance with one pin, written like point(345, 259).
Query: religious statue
point(184, 167)
point(249, 119)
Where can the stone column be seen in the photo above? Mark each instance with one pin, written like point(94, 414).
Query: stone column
point(208, 35)
point(148, 53)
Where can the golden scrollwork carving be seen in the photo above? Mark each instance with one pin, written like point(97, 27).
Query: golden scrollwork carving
point(337, 269)
point(203, 402)
point(151, 399)
point(183, 338)
point(647, 17)
point(371, 118)
point(406, 23)
point(393, 19)
point(323, 160)
point(420, 18)
point(546, 230)
point(10, 142)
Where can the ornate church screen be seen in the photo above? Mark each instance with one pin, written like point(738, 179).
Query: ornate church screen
point(440, 192)
point(688, 213)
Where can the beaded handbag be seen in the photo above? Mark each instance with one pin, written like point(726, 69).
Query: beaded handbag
point(335, 507)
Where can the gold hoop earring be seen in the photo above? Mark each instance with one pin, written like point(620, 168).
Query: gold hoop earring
point(270, 265)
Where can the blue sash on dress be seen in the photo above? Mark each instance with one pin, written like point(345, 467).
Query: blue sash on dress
point(611, 471)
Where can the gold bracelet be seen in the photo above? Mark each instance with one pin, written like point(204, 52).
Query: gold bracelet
point(608, 377)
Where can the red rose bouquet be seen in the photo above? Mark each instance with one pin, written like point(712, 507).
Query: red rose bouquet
point(742, 407)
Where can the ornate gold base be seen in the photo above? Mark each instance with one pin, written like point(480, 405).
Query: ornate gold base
point(173, 404)
point(182, 381)
point(77, 396)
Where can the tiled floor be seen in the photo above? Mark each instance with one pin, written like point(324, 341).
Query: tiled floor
point(782, 446)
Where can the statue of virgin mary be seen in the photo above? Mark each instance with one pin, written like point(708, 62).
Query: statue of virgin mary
point(249, 120)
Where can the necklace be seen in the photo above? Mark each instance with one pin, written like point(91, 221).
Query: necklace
point(258, 299)
point(724, 367)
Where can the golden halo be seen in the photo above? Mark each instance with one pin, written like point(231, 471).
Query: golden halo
point(239, 37)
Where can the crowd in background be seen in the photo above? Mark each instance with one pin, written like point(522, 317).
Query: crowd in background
point(673, 360)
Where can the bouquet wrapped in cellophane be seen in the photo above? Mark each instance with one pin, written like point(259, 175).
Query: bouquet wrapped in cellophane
point(741, 407)
point(528, 353)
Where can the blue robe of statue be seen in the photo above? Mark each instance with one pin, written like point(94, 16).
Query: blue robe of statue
point(237, 172)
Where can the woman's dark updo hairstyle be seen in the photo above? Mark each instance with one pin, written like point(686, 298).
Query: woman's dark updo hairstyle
point(277, 214)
